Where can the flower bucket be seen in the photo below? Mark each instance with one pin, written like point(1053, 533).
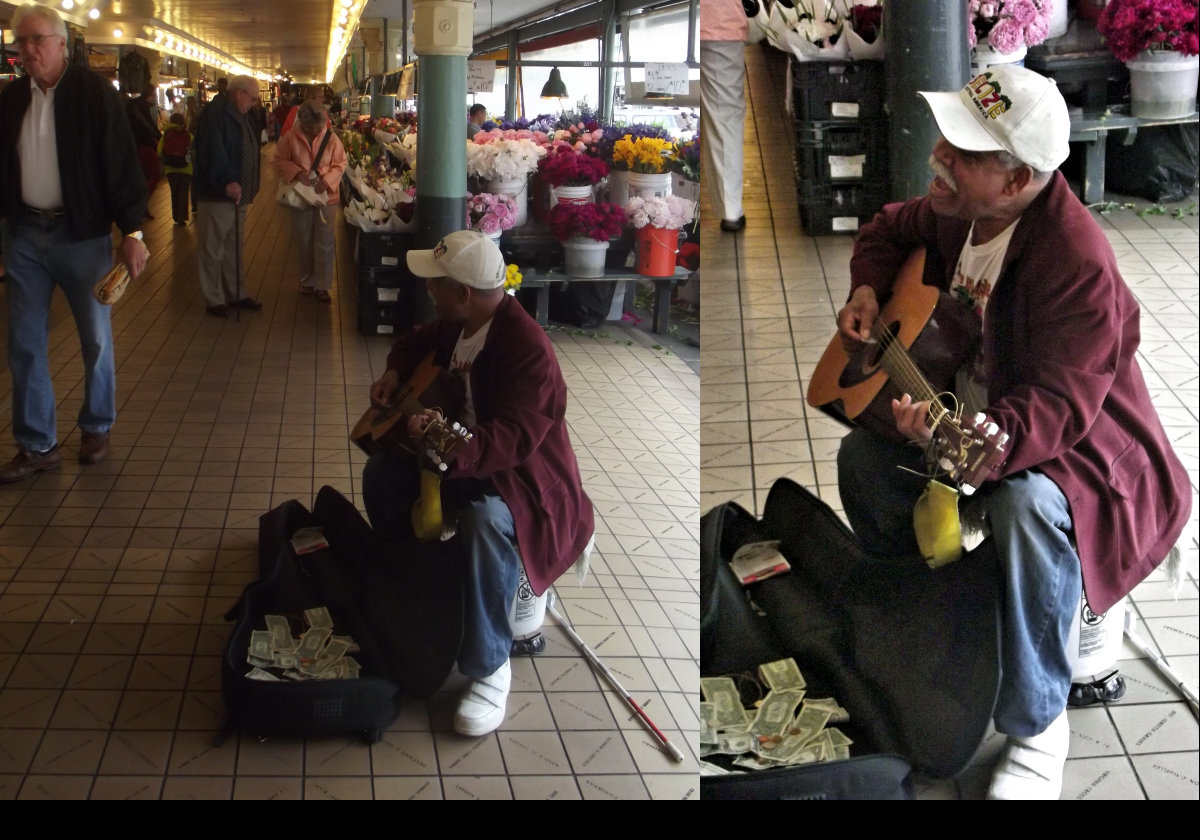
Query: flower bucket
point(983, 57)
point(518, 191)
point(650, 184)
point(656, 251)
point(584, 257)
point(618, 186)
point(1163, 84)
point(571, 195)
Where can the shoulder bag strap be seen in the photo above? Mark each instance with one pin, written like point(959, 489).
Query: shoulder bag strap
point(321, 150)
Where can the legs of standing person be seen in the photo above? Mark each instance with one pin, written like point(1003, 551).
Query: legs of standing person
point(323, 248)
point(214, 223)
point(39, 256)
point(722, 122)
point(235, 270)
point(179, 182)
point(302, 229)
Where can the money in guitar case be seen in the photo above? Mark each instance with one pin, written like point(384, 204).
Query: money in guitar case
point(909, 654)
point(340, 630)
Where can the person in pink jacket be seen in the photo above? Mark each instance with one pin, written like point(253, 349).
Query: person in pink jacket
point(313, 226)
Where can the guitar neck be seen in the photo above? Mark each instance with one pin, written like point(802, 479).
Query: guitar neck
point(905, 373)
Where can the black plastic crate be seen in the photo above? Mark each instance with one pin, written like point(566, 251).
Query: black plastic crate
point(384, 318)
point(384, 284)
point(832, 151)
point(837, 90)
point(839, 208)
point(382, 249)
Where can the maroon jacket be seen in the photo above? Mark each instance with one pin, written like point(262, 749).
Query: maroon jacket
point(520, 439)
point(1062, 376)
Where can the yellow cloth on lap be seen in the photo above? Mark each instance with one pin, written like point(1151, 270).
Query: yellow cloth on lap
point(936, 522)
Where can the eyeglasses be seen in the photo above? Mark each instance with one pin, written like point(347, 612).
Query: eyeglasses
point(36, 40)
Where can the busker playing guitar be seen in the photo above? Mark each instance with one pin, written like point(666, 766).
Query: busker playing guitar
point(1090, 492)
point(514, 483)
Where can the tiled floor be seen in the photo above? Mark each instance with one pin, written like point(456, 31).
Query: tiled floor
point(114, 578)
point(768, 303)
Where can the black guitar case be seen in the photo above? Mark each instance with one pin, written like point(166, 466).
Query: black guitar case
point(401, 604)
point(912, 654)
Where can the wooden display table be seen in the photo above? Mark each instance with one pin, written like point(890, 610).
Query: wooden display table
point(532, 278)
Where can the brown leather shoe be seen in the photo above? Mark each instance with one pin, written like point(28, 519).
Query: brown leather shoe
point(93, 447)
point(27, 463)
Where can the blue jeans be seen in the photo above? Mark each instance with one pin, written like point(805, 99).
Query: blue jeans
point(1041, 580)
point(38, 255)
point(487, 537)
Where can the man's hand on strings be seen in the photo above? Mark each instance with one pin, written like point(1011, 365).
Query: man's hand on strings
point(417, 423)
point(384, 389)
point(912, 418)
point(856, 317)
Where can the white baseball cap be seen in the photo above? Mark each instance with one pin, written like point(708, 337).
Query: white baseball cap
point(467, 256)
point(1006, 108)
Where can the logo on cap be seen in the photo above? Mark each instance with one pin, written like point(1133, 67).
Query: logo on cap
point(439, 250)
point(988, 97)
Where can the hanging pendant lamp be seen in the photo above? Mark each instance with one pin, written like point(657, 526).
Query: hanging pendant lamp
point(554, 87)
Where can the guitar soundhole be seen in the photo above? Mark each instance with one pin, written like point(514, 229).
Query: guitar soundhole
point(866, 361)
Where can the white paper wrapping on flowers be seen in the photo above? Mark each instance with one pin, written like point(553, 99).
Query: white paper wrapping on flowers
point(375, 212)
point(403, 148)
point(759, 25)
point(860, 50)
point(787, 31)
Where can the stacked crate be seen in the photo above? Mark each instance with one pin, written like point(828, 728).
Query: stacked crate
point(386, 288)
point(840, 142)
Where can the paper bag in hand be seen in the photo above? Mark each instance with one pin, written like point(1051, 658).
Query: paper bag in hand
point(112, 285)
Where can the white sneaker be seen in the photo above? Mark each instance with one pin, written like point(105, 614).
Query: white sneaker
point(1032, 768)
point(481, 709)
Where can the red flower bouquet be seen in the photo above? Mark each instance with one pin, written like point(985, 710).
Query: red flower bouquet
point(1131, 27)
point(595, 220)
point(568, 168)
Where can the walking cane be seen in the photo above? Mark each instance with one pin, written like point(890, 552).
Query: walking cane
point(237, 261)
point(671, 749)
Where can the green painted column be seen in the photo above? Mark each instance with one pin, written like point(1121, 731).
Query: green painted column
point(442, 33)
point(926, 50)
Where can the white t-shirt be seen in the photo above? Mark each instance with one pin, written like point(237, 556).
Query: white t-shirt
point(975, 279)
point(461, 360)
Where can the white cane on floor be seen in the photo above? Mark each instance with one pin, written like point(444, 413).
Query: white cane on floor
point(237, 261)
point(1160, 663)
point(671, 749)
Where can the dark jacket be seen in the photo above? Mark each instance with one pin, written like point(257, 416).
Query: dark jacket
point(1059, 351)
point(219, 154)
point(520, 440)
point(102, 181)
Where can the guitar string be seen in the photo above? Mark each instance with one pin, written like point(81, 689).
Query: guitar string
point(905, 370)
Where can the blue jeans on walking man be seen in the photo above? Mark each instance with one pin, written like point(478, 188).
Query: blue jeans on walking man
point(39, 255)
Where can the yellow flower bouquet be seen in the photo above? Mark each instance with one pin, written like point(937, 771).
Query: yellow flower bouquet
point(646, 155)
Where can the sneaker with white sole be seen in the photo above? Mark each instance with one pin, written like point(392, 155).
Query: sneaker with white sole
point(1032, 767)
point(481, 709)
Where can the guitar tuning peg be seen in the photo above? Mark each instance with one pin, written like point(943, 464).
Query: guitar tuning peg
point(990, 429)
point(1003, 439)
point(979, 417)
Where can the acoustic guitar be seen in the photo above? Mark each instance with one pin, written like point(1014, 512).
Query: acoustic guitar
point(922, 335)
point(384, 429)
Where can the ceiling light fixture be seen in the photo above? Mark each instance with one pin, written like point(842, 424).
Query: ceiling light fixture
point(343, 24)
point(554, 87)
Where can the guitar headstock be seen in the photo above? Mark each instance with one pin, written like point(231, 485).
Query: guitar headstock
point(442, 439)
point(969, 451)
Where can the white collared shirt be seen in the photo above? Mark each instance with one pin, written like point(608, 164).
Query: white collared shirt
point(37, 146)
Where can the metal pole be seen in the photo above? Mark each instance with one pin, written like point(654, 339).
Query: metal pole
point(926, 50)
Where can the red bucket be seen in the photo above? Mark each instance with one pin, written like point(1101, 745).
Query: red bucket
point(656, 251)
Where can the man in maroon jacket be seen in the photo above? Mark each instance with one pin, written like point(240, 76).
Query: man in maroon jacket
point(515, 484)
point(1090, 493)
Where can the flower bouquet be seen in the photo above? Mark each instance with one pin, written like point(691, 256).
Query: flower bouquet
point(684, 164)
point(491, 213)
point(600, 221)
point(863, 30)
point(811, 30)
point(512, 278)
point(646, 155)
point(502, 158)
point(1132, 27)
point(1008, 26)
point(563, 167)
point(670, 212)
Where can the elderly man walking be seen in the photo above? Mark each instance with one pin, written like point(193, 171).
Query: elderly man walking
point(68, 172)
point(225, 180)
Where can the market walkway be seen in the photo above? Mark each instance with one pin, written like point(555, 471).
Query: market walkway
point(114, 578)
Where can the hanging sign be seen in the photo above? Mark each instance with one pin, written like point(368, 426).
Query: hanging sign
point(481, 75)
point(406, 81)
point(667, 78)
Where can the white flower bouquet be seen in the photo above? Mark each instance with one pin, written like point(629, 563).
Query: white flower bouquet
point(669, 212)
point(503, 159)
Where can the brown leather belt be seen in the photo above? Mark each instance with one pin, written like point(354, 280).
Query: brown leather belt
point(46, 215)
